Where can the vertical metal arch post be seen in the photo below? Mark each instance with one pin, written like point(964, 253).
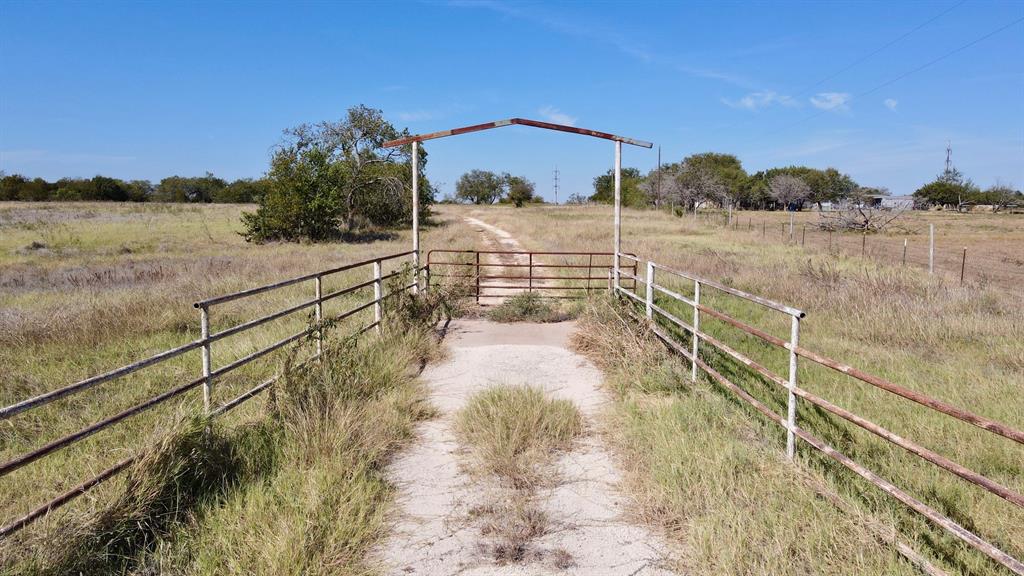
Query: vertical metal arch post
point(618, 213)
point(415, 216)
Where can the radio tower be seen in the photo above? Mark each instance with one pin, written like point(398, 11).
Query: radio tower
point(556, 184)
point(949, 156)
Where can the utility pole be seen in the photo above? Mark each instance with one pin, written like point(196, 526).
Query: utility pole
point(659, 174)
point(556, 185)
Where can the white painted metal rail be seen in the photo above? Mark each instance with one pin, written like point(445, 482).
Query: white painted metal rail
point(657, 315)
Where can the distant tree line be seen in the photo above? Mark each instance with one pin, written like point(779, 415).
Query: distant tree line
point(954, 191)
point(714, 179)
point(204, 189)
point(485, 187)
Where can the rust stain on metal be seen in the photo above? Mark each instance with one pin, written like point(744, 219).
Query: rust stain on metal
point(515, 121)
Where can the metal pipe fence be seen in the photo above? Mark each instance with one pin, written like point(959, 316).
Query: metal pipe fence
point(209, 375)
point(657, 315)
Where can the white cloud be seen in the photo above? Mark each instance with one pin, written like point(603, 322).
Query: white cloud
point(416, 115)
point(891, 103)
point(831, 101)
point(552, 114)
point(757, 100)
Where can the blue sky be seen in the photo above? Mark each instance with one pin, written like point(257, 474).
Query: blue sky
point(146, 90)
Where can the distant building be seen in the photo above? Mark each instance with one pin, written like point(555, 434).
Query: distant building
point(881, 201)
point(897, 202)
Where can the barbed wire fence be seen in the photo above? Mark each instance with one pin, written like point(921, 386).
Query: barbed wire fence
point(957, 260)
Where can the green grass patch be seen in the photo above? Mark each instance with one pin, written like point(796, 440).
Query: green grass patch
point(526, 307)
point(514, 430)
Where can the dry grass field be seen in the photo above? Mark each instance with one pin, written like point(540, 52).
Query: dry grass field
point(712, 469)
point(88, 287)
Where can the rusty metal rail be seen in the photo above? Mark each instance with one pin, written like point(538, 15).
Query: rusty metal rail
point(585, 272)
point(207, 380)
point(655, 313)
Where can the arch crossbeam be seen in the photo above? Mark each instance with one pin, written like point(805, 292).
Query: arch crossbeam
point(515, 121)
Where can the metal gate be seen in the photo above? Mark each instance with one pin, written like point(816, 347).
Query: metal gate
point(489, 276)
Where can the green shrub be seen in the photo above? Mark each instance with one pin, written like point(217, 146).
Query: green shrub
point(526, 307)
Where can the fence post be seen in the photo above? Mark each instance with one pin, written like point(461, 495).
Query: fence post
point(478, 278)
point(696, 328)
point(803, 234)
point(931, 248)
point(530, 285)
point(963, 266)
point(590, 271)
point(319, 309)
point(863, 243)
point(830, 241)
point(791, 226)
point(794, 341)
point(764, 227)
point(650, 290)
point(204, 331)
point(378, 293)
point(904, 252)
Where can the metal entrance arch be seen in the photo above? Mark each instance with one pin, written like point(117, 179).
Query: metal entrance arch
point(414, 159)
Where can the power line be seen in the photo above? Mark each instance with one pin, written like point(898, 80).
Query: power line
point(903, 75)
point(803, 91)
point(806, 89)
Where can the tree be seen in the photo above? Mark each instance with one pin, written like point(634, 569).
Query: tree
point(11, 185)
point(520, 190)
point(333, 178)
point(700, 186)
point(789, 191)
point(948, 189)
point(828, 185)
point(1001, 197)
point(243, 190)
point(725, 170)
point(189, 189)
point(480, 187)
point(632, 194)
point(860, 213)
point(661, 185)
point(139, 190)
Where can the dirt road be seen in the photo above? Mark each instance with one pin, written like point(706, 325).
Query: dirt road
point(437, 527)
